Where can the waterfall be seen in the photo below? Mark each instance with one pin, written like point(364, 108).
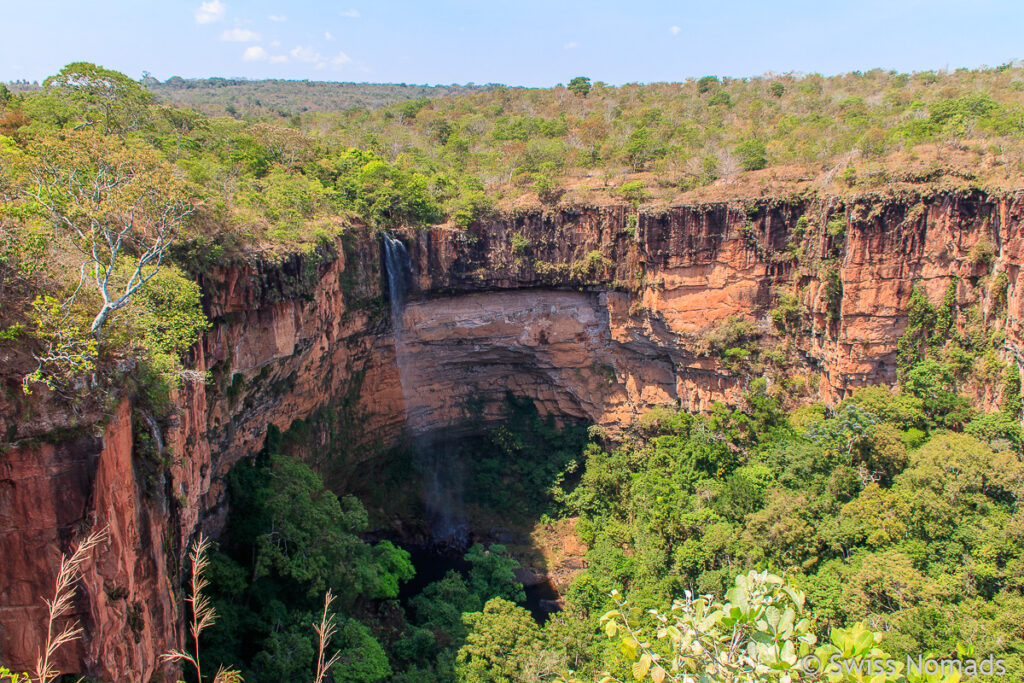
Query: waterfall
point(399, 269)
point(436, 459)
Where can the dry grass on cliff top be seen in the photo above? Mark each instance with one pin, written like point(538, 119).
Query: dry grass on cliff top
point(923, 170)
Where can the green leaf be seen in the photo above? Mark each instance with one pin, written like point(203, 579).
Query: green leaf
point(613, 614)
point(629, 648)
point(794, 595)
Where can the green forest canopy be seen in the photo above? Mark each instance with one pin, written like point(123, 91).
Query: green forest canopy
point(896, 536)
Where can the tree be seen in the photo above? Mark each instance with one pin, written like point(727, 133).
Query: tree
point(884, 582)
point(92, 96)
point(580, 86)
point(292, 540)
point(641, 148)
point(760, 632)
point(360, 657)
point(168, 318)
point(182, 122)
point(501, 638)
point(440, 605)
point(390, 196)
point(120, 205)
point(707, 83)
point(492, 573)
point(310, 536)
point(932, 382)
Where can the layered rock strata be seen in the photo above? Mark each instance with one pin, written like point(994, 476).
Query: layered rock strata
point(596, 314)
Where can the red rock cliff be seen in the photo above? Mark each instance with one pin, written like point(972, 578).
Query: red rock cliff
point(594, 313)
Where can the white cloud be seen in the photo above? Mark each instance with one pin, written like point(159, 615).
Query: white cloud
point(277, 17)
point(210, 12)
point(240, 35)
point(328, 36)
point(278, 59)
point(571, 46)
point(336, 62)
point(351, 14)
point(275, 43)
point(674, 30)
point(254, 53)
point(301, 53)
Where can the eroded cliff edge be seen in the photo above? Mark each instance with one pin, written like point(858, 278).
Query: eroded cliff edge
point(595, 313)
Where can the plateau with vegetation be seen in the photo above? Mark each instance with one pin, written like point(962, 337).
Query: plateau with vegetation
point(708, 378)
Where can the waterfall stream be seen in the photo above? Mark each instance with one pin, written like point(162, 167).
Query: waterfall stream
point(436, 459)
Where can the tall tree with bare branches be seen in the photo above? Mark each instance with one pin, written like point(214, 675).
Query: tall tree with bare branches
point(119, 204)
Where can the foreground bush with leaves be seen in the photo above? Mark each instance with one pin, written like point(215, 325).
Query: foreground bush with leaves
point(759, 629)
point(760, 632)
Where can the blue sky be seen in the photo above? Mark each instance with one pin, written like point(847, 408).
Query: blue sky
point(530, 42)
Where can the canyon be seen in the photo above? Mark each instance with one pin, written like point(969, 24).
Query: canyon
point(595, 313)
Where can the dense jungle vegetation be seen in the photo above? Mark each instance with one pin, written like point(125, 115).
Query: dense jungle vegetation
point(896, 514)
point(894, 518)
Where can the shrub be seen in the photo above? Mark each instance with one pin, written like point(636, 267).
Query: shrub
point(753, 155)
point(591, 266)
point(168, 315)
point(520, 246)
point(735, 359)
point(634, 192)
point(921, 319)
point(730, 333)
point(998, 294)
point(548, 191)
point(836, 225)
point(632, 222)
point(982, 253)
point(788, 316)
point(759, 627)
point(832, 292)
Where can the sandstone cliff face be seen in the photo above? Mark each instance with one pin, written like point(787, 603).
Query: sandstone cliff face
point(288, 340)
point(51, 495)
point(594, 313)
point(654, 298)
